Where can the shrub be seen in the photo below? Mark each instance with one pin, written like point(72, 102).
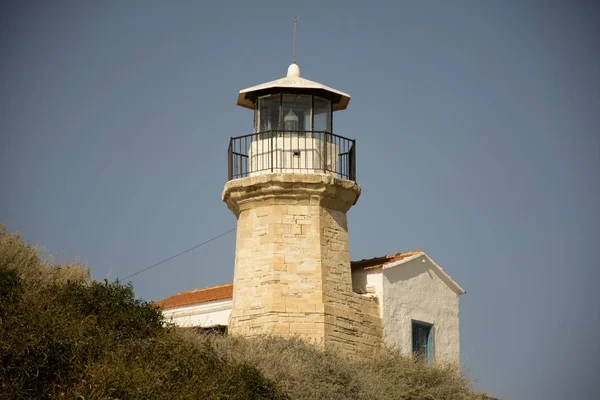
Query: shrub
point(63, 335)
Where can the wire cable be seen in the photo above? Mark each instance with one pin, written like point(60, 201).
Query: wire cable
point(178, 254)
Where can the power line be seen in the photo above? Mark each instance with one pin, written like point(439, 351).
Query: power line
point(178, 254)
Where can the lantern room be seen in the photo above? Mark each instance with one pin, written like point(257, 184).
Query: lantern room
point(293, 130)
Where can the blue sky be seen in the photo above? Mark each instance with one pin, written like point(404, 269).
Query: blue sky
point(478, 137)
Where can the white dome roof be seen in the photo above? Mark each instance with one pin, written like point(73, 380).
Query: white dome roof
point(293, 80)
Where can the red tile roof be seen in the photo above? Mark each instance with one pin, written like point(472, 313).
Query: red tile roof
point(197, 296)
point(223, 292)
point(378, 262)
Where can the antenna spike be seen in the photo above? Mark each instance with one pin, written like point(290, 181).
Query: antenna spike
point(294, 42)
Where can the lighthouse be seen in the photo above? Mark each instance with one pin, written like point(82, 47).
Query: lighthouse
point(291, 182)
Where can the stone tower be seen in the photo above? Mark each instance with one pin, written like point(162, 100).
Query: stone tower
point(290, 185)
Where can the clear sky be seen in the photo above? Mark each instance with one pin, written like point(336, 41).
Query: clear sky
point(478, 136)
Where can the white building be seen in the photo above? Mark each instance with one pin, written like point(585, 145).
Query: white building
point(418, 304)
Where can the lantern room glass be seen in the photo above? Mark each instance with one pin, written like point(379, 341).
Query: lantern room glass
point(268, 113)
point(292, 113)
point(297, 112)
point(322, 111)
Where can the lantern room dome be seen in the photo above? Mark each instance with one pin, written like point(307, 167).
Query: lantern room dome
point(292, 84)
point(293, 70)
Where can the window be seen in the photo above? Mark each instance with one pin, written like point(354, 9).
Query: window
point(322, 115)
point(297, 111)
point(422, 340)
point(269, 115)
point(287, 112)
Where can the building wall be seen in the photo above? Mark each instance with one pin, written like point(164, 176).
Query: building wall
point(204, 315)
point(415, 290)
point(369, 283)
point(411, 290)
point(292, 269)
point(352, 321)
point(277, 273)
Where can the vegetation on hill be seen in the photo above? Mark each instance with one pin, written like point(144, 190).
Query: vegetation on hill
point(64, 335)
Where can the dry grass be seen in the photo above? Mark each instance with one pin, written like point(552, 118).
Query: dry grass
point(306, 372)
point(36, 275)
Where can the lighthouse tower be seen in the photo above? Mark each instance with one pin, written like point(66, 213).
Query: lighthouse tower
point(290, 184)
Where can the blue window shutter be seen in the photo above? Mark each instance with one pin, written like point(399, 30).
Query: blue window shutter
point(430, 344)
point(423, 342)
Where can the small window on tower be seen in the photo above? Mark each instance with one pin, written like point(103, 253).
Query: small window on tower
point(422, 340)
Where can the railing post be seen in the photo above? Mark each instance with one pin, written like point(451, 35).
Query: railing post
point(352, 160)
point(272, 150)
point(229, 160)
point(325, 152)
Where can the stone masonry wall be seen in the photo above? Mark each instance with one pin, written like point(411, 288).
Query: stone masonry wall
point(292, 267)
point(350, 319)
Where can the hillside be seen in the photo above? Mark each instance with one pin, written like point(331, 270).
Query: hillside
point(64, 335)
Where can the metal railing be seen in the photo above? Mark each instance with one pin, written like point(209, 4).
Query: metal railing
point(291, 151)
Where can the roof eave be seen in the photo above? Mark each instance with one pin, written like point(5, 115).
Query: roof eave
point(246, 96)
point(243, 101)
point(449, 281)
